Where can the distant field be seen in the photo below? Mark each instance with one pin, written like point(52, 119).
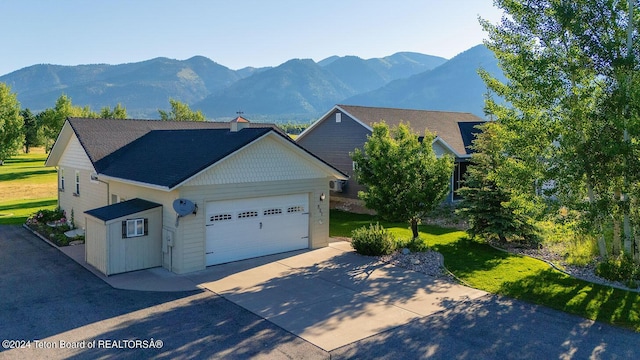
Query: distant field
point(26, 186)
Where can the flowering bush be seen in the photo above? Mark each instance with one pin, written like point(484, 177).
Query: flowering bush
point(52, 224)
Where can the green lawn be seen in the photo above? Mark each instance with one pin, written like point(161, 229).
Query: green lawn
point(26, 186)
point(498, 272)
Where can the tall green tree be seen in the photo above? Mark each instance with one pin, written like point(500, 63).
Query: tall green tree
point(31, 130)
point(566, 62)
point(52, 120)
point(11, 123)
point(403, 177)
point(118, 112)
point(492, 200)
point(181, 112)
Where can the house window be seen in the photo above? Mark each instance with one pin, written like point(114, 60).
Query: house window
point(459, 171)
point(135, 227)
point(61, 179)
point(338, 117)
point(77, 193)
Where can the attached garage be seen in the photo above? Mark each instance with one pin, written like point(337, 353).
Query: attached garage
point(254, 192)
point(124, 237)
point(246, 228)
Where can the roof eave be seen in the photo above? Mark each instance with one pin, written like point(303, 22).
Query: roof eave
point(58, 148)
point(136, 183)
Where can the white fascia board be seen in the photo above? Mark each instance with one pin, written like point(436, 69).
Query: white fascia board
point(136, 183)
point(448, 147)
point(366, 126)
point(59, 145)
point(316, 123)
point(328, 169)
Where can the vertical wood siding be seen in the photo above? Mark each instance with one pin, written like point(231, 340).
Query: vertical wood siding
point(96, 244)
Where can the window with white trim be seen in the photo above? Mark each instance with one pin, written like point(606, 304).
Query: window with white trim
point(135, 228)
point(61, 172)
point(77, 193)
point(338, 117)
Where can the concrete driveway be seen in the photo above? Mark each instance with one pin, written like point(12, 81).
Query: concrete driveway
point(332, 297)
point(47, 296)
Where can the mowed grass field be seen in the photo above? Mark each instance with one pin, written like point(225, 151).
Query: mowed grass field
point(26, 186)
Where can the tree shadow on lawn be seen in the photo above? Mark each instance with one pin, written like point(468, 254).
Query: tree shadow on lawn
point(28, 205)
point(560, 291)
point(466, 256)
point(21, 175)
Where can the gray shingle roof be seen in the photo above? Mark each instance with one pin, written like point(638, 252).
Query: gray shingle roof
point(168, 157)
point(443, 123)
point(101, 137)
point(121, 209)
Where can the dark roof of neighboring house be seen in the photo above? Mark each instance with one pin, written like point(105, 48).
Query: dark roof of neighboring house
point(444, 124)
point(469, 131)
point(169, 157)
point(98, 138)
point(121, 209)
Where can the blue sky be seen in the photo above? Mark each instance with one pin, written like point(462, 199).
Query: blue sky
point(234, 33)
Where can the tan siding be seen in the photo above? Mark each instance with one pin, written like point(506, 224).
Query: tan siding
point(137, 253)
point(75, 156)
point(266, 160)
point(172, 258)
point(95, 244)
point(194, 226)
point(93, 194)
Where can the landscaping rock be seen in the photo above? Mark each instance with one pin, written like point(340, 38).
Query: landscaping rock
point(429, 263)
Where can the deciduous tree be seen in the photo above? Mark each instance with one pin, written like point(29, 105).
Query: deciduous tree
point(118, 112)
point(11, 123)
point(403, 177)
point(181, 112)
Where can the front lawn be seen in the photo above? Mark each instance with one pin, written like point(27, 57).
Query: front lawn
point(485, 268)
point(26, 187)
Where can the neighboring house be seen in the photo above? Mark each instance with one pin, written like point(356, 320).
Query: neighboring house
point(253, 191)
point(346, 127)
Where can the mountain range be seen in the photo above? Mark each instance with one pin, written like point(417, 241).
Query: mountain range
point(297, 90)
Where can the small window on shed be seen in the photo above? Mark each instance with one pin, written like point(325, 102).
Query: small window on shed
point(295, 209)
point(338, 117)
point(247, 214)
point(135, 227)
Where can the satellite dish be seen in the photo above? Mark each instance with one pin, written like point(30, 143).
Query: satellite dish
point(184, 207)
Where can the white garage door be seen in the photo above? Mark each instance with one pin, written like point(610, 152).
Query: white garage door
point(246, 228)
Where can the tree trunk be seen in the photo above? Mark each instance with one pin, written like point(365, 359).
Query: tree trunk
point(414, 228)
point(616, 244)
point(602, 245)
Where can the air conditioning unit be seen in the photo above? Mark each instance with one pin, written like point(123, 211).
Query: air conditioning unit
point(336, 185)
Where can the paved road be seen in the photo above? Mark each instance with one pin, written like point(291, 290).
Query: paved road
point(46, 296)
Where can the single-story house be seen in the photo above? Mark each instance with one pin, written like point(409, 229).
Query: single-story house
point(346, 127)
point(186, 195)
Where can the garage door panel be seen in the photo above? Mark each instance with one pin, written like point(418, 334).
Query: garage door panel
point(247, 228)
